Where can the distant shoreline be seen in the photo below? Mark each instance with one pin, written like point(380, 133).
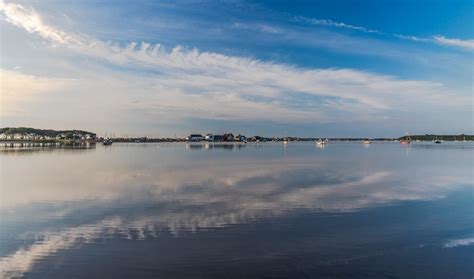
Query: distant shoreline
point(182, 140)
point(25, 134)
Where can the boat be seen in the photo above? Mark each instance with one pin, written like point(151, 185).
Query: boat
point(321, 142)
point(367, 141)
point(285, 139)
point(437, 141)
point(406, 140)
point(107, 141)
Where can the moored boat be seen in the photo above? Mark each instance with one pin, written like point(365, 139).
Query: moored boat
point(107, 141)
point(321, 142)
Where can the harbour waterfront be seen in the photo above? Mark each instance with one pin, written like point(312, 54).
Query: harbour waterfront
point(267, 210)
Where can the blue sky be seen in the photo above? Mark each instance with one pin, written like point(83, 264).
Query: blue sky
point(313, 68)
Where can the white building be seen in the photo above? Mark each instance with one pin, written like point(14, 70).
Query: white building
point(195, 137)
point(18, 136)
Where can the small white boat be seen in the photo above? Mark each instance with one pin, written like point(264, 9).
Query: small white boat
point(367, 141)
point(321, 142)
point(285, 139)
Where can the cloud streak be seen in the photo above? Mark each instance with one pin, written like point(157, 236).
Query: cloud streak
point(331, 23)
point(28, 19)
point(468, 44)
point(438, 39)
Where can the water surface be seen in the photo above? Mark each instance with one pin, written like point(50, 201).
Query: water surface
point(174, 210)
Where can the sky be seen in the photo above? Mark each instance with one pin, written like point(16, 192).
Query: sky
point(336, 68)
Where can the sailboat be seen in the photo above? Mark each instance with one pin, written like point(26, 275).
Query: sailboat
point(406, 140)
point(321, 142)
point(285, 139)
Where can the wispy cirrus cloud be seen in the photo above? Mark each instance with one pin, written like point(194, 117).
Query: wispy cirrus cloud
point(438, 39)
point(259, 26)
point(331, 23)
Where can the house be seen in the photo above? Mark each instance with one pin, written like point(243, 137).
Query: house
point(228, 137)
point(18, 136)
point(240, 137)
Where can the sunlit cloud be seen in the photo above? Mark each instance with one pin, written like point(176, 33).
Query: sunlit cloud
point(18, 89)
point(28, 19)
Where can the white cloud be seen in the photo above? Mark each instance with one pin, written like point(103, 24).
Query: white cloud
point(468, 44)
point(441, 40)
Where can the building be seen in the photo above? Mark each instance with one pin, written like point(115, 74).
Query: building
point(240, 137)
point(18, 136)
point(218, 138)
point(195, 137)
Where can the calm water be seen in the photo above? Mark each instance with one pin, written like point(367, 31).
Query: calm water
point(238, 211)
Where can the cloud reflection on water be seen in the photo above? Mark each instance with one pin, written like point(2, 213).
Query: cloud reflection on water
point(139, 199)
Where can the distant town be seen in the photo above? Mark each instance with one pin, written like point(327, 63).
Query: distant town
point(24, 134)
